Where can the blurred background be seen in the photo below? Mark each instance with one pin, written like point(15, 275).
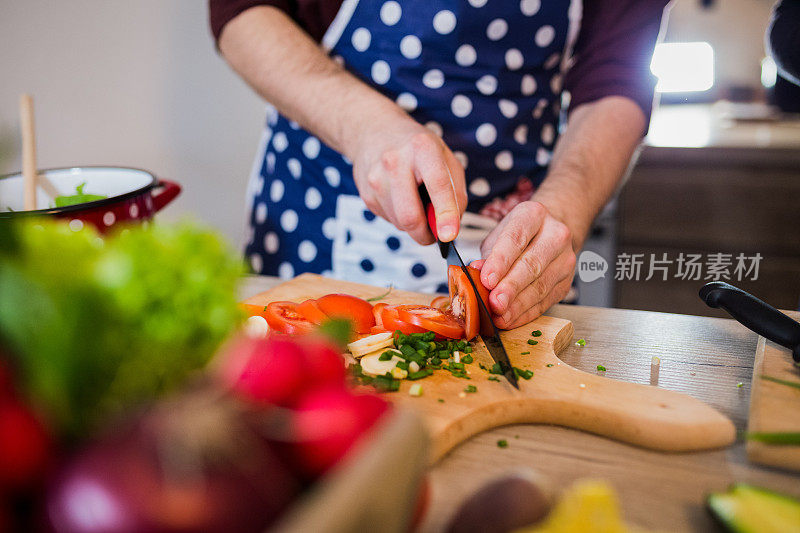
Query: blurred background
point(140, 84)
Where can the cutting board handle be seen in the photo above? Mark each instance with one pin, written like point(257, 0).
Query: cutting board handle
point(754, 314)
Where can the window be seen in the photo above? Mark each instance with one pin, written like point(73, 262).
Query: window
point(683, 67)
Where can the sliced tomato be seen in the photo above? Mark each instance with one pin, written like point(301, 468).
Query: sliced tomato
point(284, 317)
point(377, 329)
point(377, 311)
point(355, 309)
point(441, 302)
point(311, 312)
point(254, 310)
point(463, 303)
point(431, 319)
point(392, 322)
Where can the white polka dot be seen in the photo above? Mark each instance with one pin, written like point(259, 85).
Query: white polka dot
point(272, 116)
point(528, 85)
point(329, 228)
point(311, 147)
point(479, 187)
point(477, 3)
point(256, 263)
point(380, 72)
point(327, 273)
point(134, 210)
point(486, 134)
point(258, 188)
point(521, 134)
point(555, 83)
point(339, 60)
point(486, 84)
point(462, 158)
point(410, 47)
point(435, 127)
point(333, 176)
point(433, 79)
point(542, 157)
point(514, 59)
point(295, 169)
point(109, 218)
point(361, 39)
point(307, 251)
point(552, 61)
point(530, 7)
point(390, 13)
point(286, 270)
point(444, 22)
point(504, 160)
point(461, 106)
point(276, 191)
point(544, 36)
point(548, 134)
point(313, 198)
point(76, 224)
point(271, 242)
point(466, 55)
point(407, 101)
point(497, 29)
point(270, 162)
point(261, 213)
point(507, 108)
point(294, 125)
point(280, 142)
point(289, 220)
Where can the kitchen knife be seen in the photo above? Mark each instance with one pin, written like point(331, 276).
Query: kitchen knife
point(489, 332)
point(754, 314)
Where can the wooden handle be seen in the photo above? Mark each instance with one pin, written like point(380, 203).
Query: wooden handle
point(28, 150)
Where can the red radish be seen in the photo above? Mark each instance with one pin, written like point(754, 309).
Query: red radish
point(192, 467)
point(324, 365)
point(24, 447)
point(267, 371)
point(328, 423)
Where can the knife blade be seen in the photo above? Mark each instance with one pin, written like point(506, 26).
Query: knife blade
point(489, 332)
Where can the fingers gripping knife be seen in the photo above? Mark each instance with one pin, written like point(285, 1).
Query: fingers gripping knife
point(489, 332)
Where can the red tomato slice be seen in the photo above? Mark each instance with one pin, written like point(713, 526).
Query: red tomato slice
point(377, 311)
point(391, 322)
point(431, 319)
point(463, 303)
point(254, 310)
point(377, 329)
point(441, 302)
point(358, 311)
point(283, 317)
point(311, 312)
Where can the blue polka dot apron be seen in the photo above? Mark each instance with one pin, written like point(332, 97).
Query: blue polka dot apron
point(483, 74)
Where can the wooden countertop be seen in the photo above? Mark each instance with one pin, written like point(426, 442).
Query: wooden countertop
point(700, 356)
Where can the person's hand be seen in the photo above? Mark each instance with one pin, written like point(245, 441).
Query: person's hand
point(529, 264)
point(392, 157)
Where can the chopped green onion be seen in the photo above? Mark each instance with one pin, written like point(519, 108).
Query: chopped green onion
point(385, 356)
point(795, 384)
point(471, 388)
point(381, 296)
point(581, 342)
point(495, 369)
point(467, 349)
point(424, 373)
point(525, 353)
point(532, 342)
point(524, 374)
point(440, 400)
point(401, 364)
point(601, 368)
point(494, 378)
point(466, 359)
point(778, 438)
point(536, 333)
point(415, 390)
point(502, 443)
point(739, 385)
point(548, 365)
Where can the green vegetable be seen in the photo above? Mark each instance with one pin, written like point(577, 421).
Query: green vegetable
point(524, 374)
point(782, 438)
point(601, 368)
point(440, 400)
point(337, 330)
point(581, 342)
point(532, 342)
point(79, 197)
point(536, 333)
point(548, 365)
point(525, 353)
point(494, 378)
point(471, 388)
point(502, 443)
point(385, 356)
point(739, 385)
point(788, 383)
point(746, 508)
point(381, 296)
point(103, 325)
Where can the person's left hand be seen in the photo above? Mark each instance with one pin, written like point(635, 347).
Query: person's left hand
point(529, 264)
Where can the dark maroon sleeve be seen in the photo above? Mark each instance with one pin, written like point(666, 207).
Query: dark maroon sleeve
point(314, 16)
point(613, 51)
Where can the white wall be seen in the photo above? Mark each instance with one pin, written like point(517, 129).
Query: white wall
point(137, 84)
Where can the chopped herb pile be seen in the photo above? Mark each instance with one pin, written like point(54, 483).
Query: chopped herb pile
point(502, 443)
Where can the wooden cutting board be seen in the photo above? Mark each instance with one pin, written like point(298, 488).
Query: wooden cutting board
point(774, 407)
point(643, 415)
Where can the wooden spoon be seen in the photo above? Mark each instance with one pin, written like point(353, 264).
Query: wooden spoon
point(30, 176)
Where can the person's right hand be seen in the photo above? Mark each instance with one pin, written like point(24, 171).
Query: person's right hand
point(391, 158)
